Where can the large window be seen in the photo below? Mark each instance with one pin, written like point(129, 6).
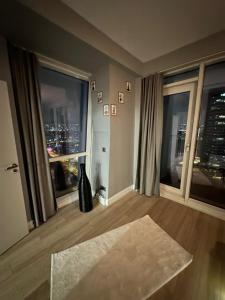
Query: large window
point(208, 178)
point(64, 109)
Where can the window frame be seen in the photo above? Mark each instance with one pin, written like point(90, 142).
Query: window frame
point(62, 68)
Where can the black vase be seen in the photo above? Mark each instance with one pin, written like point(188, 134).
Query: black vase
point(85, 195)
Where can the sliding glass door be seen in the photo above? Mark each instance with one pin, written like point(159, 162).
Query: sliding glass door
point(193, 148)
point(208, 173)
point(177, 127)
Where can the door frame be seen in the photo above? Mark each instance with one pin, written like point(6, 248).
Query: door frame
point(194, 131)
point(187, 201)
point(190, 86)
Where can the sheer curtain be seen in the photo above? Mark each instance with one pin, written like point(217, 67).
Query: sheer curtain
point(24, 70)
point(150, 136)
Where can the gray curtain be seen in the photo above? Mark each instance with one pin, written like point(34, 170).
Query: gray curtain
point(24, 70)
point(150, 137)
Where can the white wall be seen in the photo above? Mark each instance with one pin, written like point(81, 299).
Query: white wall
point(114, 168)
point(121, 131)
point(100, 132)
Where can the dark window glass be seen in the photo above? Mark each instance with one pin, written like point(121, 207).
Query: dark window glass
point(181, 76)
point(65, 175)
point(208, 178)
point(174, 133)
point(64, 108)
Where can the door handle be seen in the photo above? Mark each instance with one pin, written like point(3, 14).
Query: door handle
point(12, 167)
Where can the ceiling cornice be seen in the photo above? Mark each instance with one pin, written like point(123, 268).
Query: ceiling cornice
point(61, 15)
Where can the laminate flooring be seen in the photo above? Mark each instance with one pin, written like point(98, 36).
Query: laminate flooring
point(25, 268)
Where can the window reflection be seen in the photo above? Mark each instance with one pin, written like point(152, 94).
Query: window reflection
point(65, 175)
point(208, 179)
point(174, 133)
point(64, 109)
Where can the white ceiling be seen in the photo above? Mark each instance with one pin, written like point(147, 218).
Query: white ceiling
point(151, 28)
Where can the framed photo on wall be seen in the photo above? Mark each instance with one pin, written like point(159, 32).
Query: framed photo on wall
point(113, 110)
point(128, 86)
point(100, 97)
point(106, 110)
point(121, 97)
point(93, 85)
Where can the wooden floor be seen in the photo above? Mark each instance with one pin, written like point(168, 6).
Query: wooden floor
point(25, 268)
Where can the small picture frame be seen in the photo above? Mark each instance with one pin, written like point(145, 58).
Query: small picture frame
point(121, 97)
point(93, 85)
point(113, 110)
point(106, 110)
point(128, 86)
point(100, 97)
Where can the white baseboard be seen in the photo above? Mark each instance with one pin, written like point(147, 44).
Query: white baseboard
point(67, 199)
point(115, 197)
point(207, 209)
point(197, 205)
point(30, 225)
point(102, 201)
point(120, 194)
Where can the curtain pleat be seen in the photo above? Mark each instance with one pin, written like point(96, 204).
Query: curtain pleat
point(150, 136)
point(24, 70)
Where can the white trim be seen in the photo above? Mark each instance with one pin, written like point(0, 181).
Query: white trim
point(181, 82)
point(171, 192)
point(206, 208)
point(89, 136)
point(212, 58)
point(121, 194)
point(30, 225)
point(194, 130)
point(63, 68)
point(188, 87)
point(115, 197)
point(67, 199)
point(102, 200)
point(51, 277)
point(196, 205)
point(68, 156)
point(188, 136)
point(180, 68)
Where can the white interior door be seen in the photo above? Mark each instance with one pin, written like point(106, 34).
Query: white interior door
point(177, 133)
point(13, 220)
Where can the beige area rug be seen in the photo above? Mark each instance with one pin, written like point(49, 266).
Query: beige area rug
point(129, 263)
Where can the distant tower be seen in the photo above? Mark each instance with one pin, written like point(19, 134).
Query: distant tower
point(213, 136)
